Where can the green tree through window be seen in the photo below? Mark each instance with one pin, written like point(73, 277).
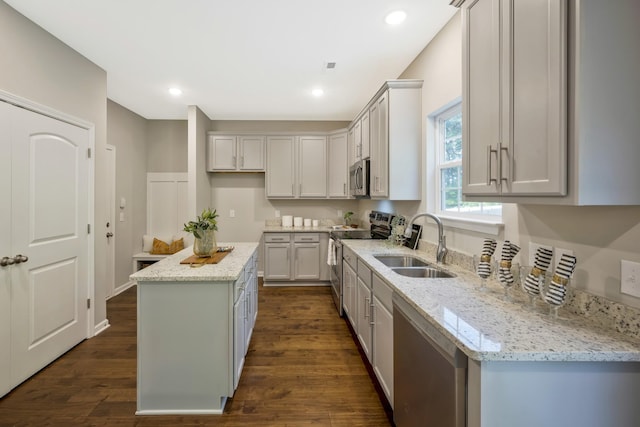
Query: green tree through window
point(449, 167)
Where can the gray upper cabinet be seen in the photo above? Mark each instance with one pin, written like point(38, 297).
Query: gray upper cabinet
point(296, 167)
point(338, 179)
point(312, 166)
point(235, 153)
point(514, 97)
point(281, 172)
point(550, 97)
point(395, 141)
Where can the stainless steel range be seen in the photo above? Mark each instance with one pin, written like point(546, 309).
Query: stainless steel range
point(380, 228)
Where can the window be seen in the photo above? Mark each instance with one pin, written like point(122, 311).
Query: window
point(448, 145)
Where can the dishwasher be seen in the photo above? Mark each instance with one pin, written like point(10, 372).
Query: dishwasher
point(429, 373)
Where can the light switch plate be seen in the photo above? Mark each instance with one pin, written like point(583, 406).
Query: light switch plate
point(277, 213)
point(630, 278)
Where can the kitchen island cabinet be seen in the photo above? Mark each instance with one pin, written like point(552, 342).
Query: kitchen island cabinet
point(193, 330)
point(523, 369)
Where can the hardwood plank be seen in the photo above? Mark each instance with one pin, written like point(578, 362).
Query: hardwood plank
point(303, 368)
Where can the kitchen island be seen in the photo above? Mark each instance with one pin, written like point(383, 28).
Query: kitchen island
point(194, 326)
point(524, 369)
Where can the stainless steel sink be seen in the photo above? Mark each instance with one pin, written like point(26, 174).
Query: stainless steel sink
point(401, 261)
point(423, 272)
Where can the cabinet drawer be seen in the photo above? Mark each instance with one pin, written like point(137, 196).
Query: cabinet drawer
point(364, 273)
point(306, 237)
point(350, 257)
point(383, 292)
point(277, 237)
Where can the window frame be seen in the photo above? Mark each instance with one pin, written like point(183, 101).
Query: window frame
point(463, 220)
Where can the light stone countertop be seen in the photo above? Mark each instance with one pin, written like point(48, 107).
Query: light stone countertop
point(487, 328)
point(170, 269)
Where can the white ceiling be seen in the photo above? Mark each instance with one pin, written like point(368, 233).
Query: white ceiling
point(242, 59)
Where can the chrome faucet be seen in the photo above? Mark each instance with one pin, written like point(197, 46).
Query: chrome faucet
point(442, 241)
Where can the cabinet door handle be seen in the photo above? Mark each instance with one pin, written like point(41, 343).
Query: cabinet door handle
point(367, 307)
point(235, 162)
point(372, 320)
point(344, 189)
point(500, 150)
point(490, 150)
point(242, 161)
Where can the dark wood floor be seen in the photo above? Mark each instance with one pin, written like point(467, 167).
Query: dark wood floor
point(303, 369)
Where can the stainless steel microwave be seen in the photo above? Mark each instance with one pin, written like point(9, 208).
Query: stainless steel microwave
point(359, 179)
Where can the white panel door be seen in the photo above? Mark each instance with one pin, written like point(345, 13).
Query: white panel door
point(5, 251)
point(50, 214)
point(110, 225)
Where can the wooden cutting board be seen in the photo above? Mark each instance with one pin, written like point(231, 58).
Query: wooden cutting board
point(214, 259)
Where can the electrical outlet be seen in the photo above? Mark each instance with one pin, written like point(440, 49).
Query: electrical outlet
point(533, 247)
point(558, 256)
point(340, 213)
point(277, 213)
point(232, 213)
point(630, 278)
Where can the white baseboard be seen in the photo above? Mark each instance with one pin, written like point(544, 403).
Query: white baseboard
point(120, 289)
point(101, 327)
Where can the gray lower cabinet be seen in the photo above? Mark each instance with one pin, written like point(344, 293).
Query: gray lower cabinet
point(364, 328)
point(368, 305)
point(295, 257)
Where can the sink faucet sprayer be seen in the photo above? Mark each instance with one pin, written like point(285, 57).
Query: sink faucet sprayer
point(442, 241)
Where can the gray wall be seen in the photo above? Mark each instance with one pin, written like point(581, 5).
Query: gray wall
point(167, 142)
point(127, 131)
point(40, 68)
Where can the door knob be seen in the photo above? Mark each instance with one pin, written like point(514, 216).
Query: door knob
point(20, 258)
point(109, 234)
point(4, 261)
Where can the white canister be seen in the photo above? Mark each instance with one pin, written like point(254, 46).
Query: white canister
point(307, 222)
point(287, 220)
point(297, 221)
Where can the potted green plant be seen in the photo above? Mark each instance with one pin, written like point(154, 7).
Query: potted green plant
point(347, 217)
point(203, 229)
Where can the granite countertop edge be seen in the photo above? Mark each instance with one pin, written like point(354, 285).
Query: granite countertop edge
point(487, 328)
point(169, 269)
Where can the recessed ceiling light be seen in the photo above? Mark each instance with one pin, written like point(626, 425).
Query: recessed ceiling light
point(396, 17)
point(175, 91)
point(317, 92)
